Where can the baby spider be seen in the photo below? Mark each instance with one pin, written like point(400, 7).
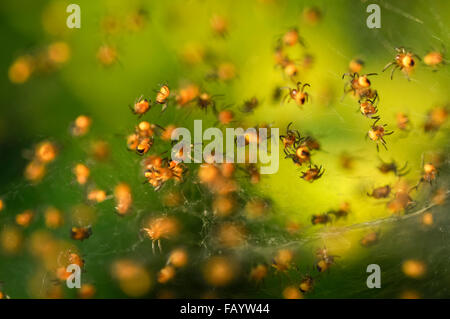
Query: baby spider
point(403, 122)
point(292, 37)
point(250, 105)
point(205, 100)
point(377, 133)
point(298, 95)
point(290, 68)
point(435, 119)
point(313, 173)
point(162, 96)
point(368, 94)
point(320, 219)
point(141, 106)
point(434, 59)
point(311, 143)
point(380, 192)
point(429, 173)
point(159, 228)
point(342, 212)
point(80, 233)
point(292, 138)
point(404, 61)
point(144, 145)
point(299, 155)
point(325, 260)
point(392, 167)
point(357, 83)
point(401, 202)
point(368, 108)
point(306, 285)
point(369, 239)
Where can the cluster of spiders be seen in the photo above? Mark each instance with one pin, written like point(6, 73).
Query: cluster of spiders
point(368, 98)
point(298, 148)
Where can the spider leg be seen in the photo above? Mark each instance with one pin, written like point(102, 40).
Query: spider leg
point(159, 246)
point(392, 73)
point(346, 74)
point(384, 143)
point(153, 246)
point(403, 171)
point(306, 84)
point(376, 121)
point(387, 66)
point(289, 125)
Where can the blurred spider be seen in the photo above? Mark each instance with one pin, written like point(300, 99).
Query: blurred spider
point(306, 285)
point(283, 260)
point(403, 60)
point(279, 56)
point(355, 65)
point(377, 133)
point(290, 67)
point(313, 173)
point(2, 294)
point(224, 116)
point(205, 100)
point(320, 219)
point(392, 167)
point(251, 172)
point(292, 138)
point(342, 212)
point(277, 93)
point(325, 260)
point(380, 192)
point(159, 228)
point(435, 119)
point(401, 201)
point(403, 122)
point(369, 239)
point(429, 173)
point(298, 95)
point(434, 59)
point(311, 143)
point(81, 233)
point(292, 37)
point(250, 105)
